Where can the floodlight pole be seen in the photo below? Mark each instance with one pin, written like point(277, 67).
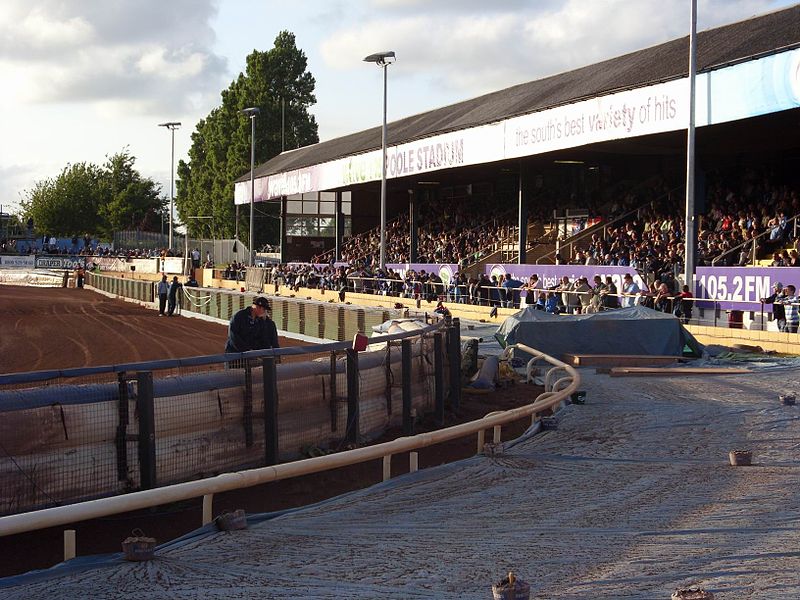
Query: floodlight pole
point(383, 60)
point(252, 113)
point(172, 126)
point(690, 233)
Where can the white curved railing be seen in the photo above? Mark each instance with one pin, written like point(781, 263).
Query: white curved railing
point(556, 392)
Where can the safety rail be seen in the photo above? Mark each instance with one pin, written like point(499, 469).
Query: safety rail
point(581, 235)
point(557, 390)
point(753, 253)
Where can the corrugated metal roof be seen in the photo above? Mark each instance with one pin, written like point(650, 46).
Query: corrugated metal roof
point(761, 35)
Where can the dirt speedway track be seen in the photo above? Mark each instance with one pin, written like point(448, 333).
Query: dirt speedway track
point(60, 328)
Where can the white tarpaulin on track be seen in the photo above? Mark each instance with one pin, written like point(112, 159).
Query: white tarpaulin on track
point(632, 496)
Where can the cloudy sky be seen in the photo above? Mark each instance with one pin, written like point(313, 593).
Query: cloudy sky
point(83, 79)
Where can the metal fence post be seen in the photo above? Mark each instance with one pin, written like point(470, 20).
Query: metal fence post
point(122, 428)
point(248, 404)
point(438, 378)
point(351, 434)
point(408, 425)
point(455, 364)
point(270, 410)
point(334, 392)
point(147, 429)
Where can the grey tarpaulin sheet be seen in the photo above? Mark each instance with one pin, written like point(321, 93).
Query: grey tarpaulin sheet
point(630, 497)
point(635, 330)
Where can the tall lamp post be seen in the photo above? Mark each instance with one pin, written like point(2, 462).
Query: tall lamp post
point(172, 126)
point(252, 112)
point(690, 234)
point(383, 60)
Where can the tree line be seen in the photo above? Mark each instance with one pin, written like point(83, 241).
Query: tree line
point(102, 199)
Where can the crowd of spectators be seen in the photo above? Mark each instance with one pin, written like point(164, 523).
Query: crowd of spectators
point(653, 240)
point(459, 233)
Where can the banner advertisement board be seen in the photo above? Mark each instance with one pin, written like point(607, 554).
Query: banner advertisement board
point(172, 265)
point(729, 288)
point(446, 272)
point(144, 265)
point(742, 288)
point(60, 262)
point(109, 263)
point(26, 262)
point(550, 275)
point(761, 86)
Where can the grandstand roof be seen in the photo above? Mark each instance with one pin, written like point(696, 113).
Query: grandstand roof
point(765, 34)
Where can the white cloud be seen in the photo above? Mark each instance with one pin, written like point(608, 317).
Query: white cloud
point(147, 56)
point(473, 48)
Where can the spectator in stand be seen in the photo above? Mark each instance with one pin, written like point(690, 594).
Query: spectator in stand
point(608, 296)
point(790, 305)
point(584, 294)
point(776, 299)
point(551, 305)
point(630, 291)
point(684, 310)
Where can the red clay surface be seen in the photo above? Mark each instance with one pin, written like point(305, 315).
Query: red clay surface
point(57, 328)
point(60, 328)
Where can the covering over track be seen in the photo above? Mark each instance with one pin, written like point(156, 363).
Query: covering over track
point(631, 497)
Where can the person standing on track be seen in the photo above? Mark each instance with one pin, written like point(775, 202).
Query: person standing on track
point(174, 288)
point(163, 290)
point(252, 329)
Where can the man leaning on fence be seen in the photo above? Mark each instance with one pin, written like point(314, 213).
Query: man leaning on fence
point(252, 329)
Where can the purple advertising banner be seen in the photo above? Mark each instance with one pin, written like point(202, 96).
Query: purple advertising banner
point(551, 275)
point(741, 288)
point(734, 288)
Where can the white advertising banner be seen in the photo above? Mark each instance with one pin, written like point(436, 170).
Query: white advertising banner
point(627, 114)
point(756, 87)
point(461, 148)
point(27, 262)
point(144, 265)
point(109, 263)
point(172, 265)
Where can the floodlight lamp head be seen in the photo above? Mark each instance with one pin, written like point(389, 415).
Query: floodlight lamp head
point(170, 125)
point(250, 112)
point(381, 58)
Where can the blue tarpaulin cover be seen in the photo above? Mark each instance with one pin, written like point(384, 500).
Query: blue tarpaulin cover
point(636, 330)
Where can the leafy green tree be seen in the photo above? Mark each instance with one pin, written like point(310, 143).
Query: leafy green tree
point(85, 198)
point(129, 201)
point(69, 204)
point(273, 81)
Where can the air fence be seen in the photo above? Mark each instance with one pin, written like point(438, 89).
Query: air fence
point(78, 434)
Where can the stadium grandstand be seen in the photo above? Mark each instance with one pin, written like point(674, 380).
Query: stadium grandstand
point(557, 154)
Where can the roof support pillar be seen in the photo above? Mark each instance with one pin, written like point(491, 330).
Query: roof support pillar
point(339, 227)
point(413, 217)
point(524, 197)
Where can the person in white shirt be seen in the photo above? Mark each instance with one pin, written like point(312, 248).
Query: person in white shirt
point(630, 291)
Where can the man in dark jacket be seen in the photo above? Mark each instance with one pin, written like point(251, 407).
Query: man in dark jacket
point(252, 329)
point(163, 290)
point(776, 299)
point(174, 288)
